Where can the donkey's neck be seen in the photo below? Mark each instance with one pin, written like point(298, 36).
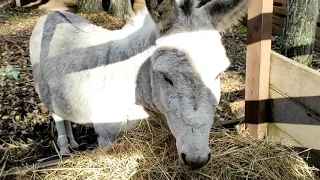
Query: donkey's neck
point(143, 86)
point(133, 44)
point(94, 46)
point(144, 92)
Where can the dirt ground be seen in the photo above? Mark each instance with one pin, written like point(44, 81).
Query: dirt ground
point(27, 132)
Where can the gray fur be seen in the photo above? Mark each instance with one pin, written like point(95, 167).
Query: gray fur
point(167, 63)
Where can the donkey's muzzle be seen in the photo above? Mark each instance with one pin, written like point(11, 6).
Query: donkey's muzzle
point(195, 162)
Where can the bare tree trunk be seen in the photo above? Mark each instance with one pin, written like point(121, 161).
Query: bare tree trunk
point(90, 6)
point(300, 30)
point(120, 8)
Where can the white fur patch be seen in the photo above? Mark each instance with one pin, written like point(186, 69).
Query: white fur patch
point(106, 94)
point(56, 117)
point(35, 40)
point(205, 49)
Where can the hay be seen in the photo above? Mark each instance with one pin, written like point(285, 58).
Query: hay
point(149, 152)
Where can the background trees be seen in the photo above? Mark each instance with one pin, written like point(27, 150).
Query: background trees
point(90, 6)
point(116, 8)
point(300, 30)
point(121, 8)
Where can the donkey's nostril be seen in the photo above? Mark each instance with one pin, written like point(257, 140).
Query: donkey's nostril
point(183, 156)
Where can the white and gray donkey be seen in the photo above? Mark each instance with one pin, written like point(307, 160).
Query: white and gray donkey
point(166, 61)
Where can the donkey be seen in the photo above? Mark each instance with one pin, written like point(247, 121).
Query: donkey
point(166, 61)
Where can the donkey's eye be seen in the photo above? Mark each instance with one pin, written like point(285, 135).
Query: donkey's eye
point(168, 80)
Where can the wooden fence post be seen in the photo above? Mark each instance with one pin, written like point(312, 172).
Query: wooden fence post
point(259, 29)
point(18, 3)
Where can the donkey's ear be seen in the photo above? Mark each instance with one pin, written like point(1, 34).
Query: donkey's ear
point(225, 13)
point(163, 12)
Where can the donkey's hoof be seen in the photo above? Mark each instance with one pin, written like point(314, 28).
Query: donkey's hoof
point(65, 151)
point(103, 142)
point(63, 145)
point(74, 144)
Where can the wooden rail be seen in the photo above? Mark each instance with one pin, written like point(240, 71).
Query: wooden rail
point(295, 104)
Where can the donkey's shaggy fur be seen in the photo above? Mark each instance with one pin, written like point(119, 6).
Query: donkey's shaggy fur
point(167, 61)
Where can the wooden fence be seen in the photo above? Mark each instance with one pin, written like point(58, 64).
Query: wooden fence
point(282, 96)
point(294, 91)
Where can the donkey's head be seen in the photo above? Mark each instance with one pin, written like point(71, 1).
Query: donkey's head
point(186, 67)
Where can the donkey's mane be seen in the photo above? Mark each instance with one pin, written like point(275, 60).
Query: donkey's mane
point(90, 46)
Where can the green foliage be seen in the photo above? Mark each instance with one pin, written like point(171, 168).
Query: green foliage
point(243, 31)
point(15, 17)
point(279, 39)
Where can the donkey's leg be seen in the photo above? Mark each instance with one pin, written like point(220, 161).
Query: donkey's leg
point(105, 136)
point(62, 135)
point(104, 141)
point(68, 128)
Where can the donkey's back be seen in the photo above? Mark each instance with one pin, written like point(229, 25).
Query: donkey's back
point(62, 32)
point(58, 46)
point(63, 43)
point(78, 74)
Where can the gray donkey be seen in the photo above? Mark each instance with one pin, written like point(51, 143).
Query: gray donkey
point(167, 61)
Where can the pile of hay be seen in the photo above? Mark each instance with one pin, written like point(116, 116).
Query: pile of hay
point(149, 152)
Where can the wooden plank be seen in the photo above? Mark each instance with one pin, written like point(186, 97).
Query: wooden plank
point(281, 1)
point(295, 90)
point(318, 33)
point(297, 81)
point(230, 124)
point(32, 3)
point(279, 10)
point(24, 3)
point(317, 43)
point(18, 3)
point(279, 21)
point(296, 120)
point(277, 134)
point(244, 20)
point(138, 5)
point(259, 27)
point(277, 30)
point(317, 49)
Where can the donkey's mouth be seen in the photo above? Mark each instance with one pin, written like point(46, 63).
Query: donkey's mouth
point(195, 165)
